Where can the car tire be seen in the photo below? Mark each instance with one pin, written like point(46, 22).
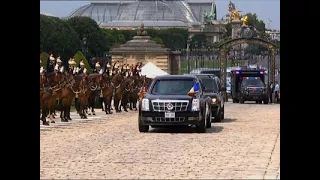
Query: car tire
point(222, 116)
point(218, 117)
point(234, 100)
point(201, 127)
point(265, 101)
point(142, 128)
point(241, 101)
point(208, 116)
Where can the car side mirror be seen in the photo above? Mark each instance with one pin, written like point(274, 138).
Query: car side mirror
point(223, 89)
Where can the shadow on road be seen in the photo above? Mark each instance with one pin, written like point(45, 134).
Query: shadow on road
point(177, 130)
point(228, 120)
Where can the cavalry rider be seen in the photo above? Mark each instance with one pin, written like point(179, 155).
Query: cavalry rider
point(127, 70)
point(59, 67)
point(41, 67)
point(51, 64)
point(115, 68)
point(108, 69)
point(97, 68)
point(82, 69)
point(72, 66)
point(138, 69)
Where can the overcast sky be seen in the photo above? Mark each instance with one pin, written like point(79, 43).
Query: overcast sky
point(265, 9)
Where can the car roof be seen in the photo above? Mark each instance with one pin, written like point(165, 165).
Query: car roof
point(175, 77)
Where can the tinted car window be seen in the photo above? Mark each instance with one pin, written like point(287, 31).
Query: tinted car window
point(252, 82)
point(217, 73)
point(209, 84)
point(172, 86)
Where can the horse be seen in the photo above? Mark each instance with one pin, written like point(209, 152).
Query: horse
point(56, 79)
point(68, 93)
point(107, 92)
point(126, 87)
point(116, 82)
point(93, 80)
point(83, 95)
point(44, 95)
point(133, 95)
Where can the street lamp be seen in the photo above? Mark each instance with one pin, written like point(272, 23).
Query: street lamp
point(84, 39)
point(202, 53)
point(196, 48)
point(188, 46)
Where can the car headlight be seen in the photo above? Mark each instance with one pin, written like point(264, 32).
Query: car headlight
point(145, 105)
point(195, 105)
point(213, 101)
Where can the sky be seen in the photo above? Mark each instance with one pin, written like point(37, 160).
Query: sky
point(265, 9)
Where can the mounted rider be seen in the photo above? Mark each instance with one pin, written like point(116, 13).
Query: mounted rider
point(98, 68)
point(82, 68)
point(108, 69)
point(58, 67)
point(115, 68)
point(72, 66)
point(42, 70)
point(127, 70)
point(51, 63)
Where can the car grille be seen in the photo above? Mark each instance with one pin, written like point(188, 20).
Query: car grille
point(177, 105)
point(163, 119)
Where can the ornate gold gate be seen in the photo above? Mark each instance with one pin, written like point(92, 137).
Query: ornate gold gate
point(229, 43)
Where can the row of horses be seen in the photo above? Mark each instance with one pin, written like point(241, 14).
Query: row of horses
point(119, 87)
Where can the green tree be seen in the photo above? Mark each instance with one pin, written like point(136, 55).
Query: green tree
point(57, 36)
point(78, 56)
point(157, 40)
point(88, 28)
point(44, 60)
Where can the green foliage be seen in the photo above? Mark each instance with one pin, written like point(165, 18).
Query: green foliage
point(57, 36)
point(78, 57)
point(157, 40)
point(87, 27)
point(44, 59)
point(197, 41)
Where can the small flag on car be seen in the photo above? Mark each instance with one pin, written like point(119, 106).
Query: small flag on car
point(142, 92)
point(194, 90)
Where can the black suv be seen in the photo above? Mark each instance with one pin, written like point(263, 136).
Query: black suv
point(167, 103)
point(212, 87)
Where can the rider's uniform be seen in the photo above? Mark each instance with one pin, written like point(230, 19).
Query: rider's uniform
point(58, 67)
point(51, 64)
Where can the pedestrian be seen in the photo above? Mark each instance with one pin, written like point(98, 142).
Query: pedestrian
point(270, 90)
point(276, 91)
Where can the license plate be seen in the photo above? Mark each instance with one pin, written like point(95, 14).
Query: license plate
point(169, 115)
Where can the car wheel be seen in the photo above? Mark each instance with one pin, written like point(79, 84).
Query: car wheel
point(142, 128)
point(218, 117)
point(241, 101)
point(234, 100)
point(266, 101)
point(208, 116)
point(201, 127)
point(222, 113)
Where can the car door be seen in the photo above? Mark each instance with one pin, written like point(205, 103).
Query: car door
point(217, 81)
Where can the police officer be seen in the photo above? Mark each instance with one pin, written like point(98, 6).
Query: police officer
point(51, 64)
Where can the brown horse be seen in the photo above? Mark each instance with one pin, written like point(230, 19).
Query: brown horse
point(116, 82)
point(55, 88)
point(68, 93)
point(49, 82)
point(107, 91)
point(83, 95)
point(133, 95)
point(126, 87)
point(94, 81)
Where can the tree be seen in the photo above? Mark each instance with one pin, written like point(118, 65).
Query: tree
point(57, 36)
point(157, 40)
point(44, 60)
point(88, 28)
point(78, 57)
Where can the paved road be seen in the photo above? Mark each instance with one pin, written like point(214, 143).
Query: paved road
point(245, 145)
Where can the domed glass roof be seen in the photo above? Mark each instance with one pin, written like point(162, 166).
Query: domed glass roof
point(157, 10)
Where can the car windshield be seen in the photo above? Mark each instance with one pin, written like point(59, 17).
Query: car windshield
point(172, 86)
point(252, 82)
point(209, 84)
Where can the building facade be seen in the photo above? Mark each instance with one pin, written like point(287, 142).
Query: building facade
point(275, 34)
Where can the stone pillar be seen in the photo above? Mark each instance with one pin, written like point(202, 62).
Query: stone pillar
point(236, 27)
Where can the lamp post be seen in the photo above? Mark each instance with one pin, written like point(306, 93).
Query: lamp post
point(188, 50)
point(196, 48)
point(84, 50)
point(202, 53)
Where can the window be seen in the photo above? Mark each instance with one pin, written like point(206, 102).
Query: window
point(209, 84)
point(172, 86)
point(252, 81)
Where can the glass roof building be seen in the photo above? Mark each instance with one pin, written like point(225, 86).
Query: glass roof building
point(126, 14)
